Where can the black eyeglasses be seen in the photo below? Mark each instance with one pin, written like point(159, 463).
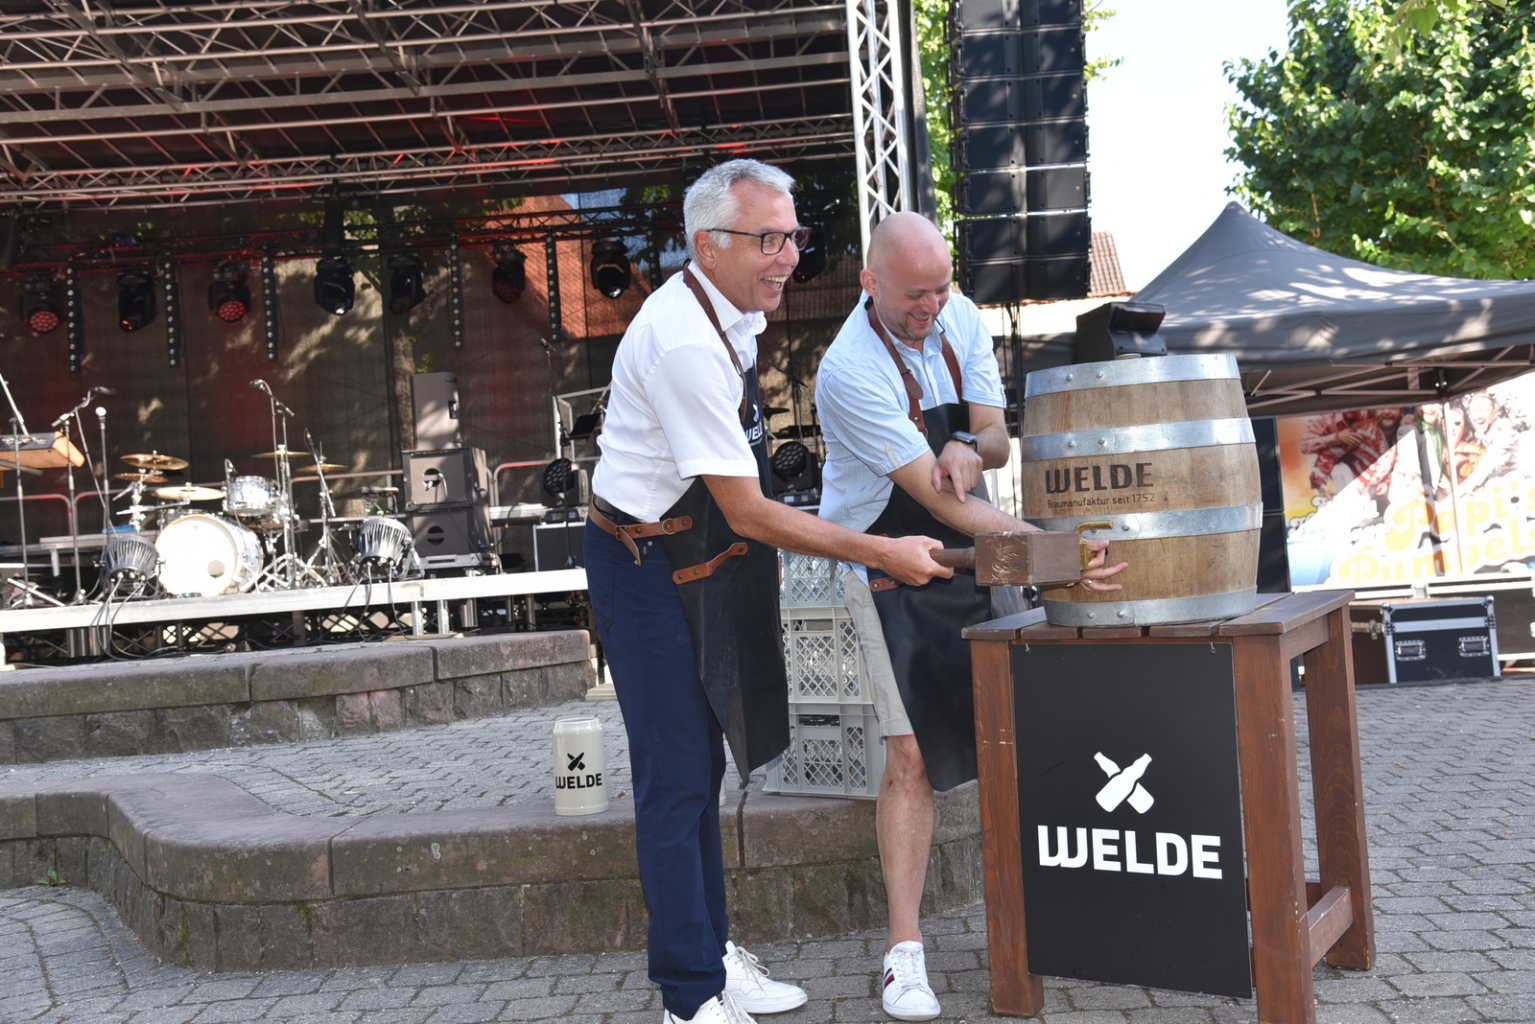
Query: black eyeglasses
point(772, 241)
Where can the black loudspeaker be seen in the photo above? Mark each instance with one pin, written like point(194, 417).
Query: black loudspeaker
point(1266, 438)
point(1020, 148)
point(558, 545)
point(453, 536)
point(1039, 256)
point(1119, 330)
point(450, 477)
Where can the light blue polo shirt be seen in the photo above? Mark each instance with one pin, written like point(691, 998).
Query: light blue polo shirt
point(863, 405)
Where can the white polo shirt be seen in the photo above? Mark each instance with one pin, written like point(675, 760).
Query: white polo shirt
point(863, 405)
point(673, 409)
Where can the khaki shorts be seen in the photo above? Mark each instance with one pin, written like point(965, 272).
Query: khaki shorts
point(876, 658)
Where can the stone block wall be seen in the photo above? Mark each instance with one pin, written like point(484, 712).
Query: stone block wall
point(209, 876)
point(199, 702)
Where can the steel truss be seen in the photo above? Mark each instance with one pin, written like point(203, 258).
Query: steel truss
point(882, 118)
point(152, 104)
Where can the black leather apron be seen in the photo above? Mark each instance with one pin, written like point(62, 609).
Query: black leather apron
point(922, 625)
point(732, 608)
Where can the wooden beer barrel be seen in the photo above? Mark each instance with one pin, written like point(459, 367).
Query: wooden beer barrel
point(1159, 453)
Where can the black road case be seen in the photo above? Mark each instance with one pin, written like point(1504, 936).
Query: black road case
point(1421, 641)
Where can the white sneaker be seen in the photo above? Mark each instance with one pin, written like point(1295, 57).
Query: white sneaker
point(907, 995)
point(747, 982)
point(719, 1010)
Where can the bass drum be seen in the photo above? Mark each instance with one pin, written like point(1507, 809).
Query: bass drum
point(202, 555)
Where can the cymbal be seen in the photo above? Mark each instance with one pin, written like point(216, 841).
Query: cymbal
point(325, 467)
point(148, 478)
point(154, 460)
point(189, 492)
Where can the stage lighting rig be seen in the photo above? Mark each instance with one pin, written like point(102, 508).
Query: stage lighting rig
point(407, 289)
point(510, 278)
point(229, 297)
point(610, 268)
point(136, 299)
point(335, 287)
point(42, 306)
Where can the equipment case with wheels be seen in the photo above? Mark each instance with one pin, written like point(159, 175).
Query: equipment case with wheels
point(1422, 641)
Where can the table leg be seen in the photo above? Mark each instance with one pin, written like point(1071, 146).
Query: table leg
point(1013, 989)
point(1276, 880)
point(1338, 787)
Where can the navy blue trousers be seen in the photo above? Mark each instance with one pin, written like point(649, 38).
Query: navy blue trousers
point(677, 755)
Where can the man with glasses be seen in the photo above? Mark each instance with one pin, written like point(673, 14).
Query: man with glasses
point(911, 403)
point(683, 575)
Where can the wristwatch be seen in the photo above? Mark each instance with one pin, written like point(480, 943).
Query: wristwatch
point(965, 437)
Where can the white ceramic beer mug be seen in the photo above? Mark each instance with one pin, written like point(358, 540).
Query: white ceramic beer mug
point(579, 764)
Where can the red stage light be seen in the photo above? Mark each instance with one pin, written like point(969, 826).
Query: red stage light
point(43, 320)
point(231, 311)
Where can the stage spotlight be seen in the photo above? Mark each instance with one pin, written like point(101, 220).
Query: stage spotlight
point(135, 299)
point(812, 258)
point(334, 287)
point(559, 476)
point(610, 268)
point(229, 298)
point(510, 279)
point(407, 290)
point(789, 460)
point(42, 307)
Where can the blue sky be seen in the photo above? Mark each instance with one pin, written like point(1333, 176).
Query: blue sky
point(1157, 122)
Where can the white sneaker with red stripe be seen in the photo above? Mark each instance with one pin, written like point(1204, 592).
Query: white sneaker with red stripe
point(907, 995)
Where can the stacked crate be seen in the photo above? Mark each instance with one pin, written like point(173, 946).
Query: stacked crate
point(834, 743)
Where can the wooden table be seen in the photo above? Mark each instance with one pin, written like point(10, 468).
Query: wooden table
point(1295, 921)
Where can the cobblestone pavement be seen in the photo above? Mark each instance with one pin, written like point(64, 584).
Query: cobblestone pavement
point(1449, 781)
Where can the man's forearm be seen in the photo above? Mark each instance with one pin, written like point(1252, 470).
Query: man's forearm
point(993, 445)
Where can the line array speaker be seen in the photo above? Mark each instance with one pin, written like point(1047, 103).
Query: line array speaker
point(1020, 149)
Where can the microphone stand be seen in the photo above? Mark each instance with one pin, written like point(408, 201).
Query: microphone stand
point(19, 427)
point(67, 421)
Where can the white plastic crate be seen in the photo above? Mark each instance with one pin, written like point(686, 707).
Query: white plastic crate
point(834, 750)
point(808, 581)
point(822, 654)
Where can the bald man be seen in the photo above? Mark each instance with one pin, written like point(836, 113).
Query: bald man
point(911, 405)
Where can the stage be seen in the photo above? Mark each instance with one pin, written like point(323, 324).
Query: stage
point(302, 614)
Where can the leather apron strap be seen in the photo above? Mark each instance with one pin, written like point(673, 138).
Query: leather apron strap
point(909, 379)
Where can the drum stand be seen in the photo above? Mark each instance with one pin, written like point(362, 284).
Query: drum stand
point(327, 547)
point(19, 427)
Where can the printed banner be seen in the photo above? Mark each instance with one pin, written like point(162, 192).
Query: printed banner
point(1396, 495)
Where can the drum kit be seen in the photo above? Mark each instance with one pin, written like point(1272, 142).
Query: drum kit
point(251, 542)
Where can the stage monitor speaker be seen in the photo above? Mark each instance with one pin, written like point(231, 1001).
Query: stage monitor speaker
point(1000, 193)
point(1119, 330)
point(992, 15)
point(1010, 100)
point(452, 477)
point(453, 536)
point(434, 397)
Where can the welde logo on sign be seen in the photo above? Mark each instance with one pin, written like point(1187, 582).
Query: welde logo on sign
point(1109, 849)
point(577, 763)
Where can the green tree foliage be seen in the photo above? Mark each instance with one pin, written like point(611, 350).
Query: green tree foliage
point(1413, 149)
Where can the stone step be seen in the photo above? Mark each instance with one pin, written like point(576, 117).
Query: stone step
point(199, 702)
point(210, 876)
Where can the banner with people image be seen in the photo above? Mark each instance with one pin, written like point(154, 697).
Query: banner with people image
point(1395, 495)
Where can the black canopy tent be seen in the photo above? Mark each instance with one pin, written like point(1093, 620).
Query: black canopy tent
point(1315, 332)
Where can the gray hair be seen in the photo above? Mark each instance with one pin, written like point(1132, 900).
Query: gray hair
point(709, 200)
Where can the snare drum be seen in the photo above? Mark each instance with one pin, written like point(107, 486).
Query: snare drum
point(251, 497)
point(202, 555)
point(383, 542)
point(129, 554)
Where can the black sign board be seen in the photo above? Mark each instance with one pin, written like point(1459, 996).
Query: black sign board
point(1129, 803)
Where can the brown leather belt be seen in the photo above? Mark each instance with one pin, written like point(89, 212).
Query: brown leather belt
point(628, 532)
